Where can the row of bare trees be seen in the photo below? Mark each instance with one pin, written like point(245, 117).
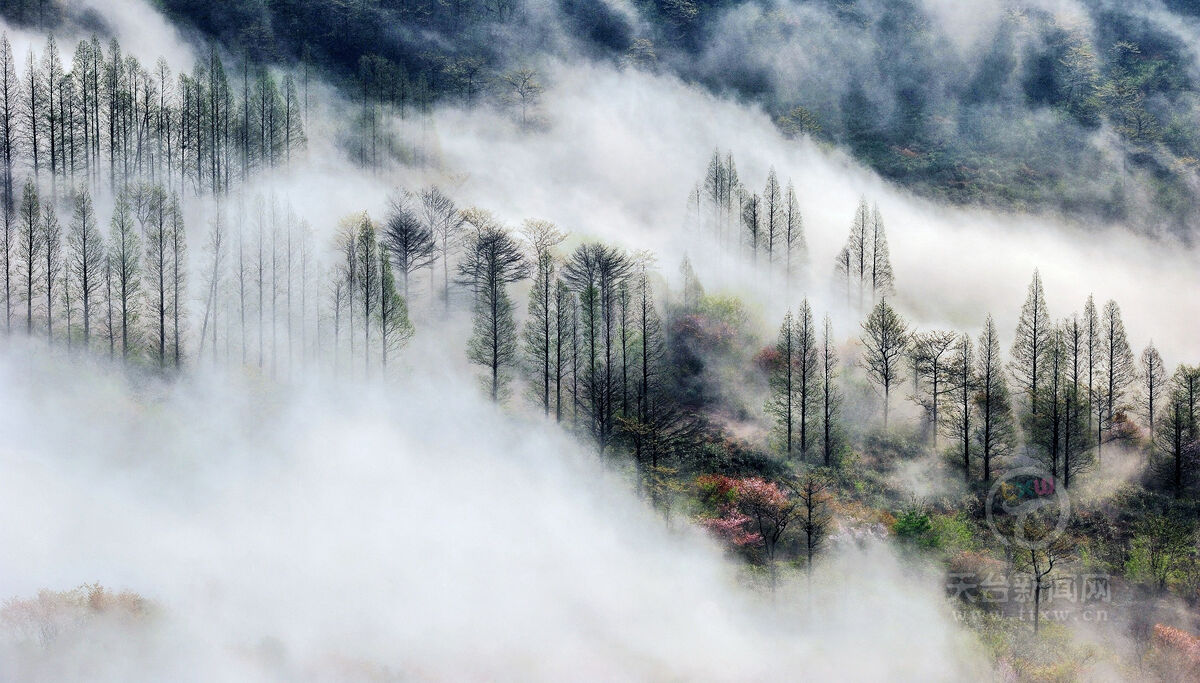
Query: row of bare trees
point(99, 117)
point(124, 291)
point(767, 224)
point(1066, 389)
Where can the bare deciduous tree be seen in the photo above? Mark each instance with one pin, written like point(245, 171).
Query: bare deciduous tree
point(407, 240)
point(541, 339)
point(86, 259)
point(995, 430)
point(493, 261)
point(885, 340)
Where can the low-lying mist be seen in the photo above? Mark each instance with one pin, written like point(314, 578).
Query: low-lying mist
point(620, 150)
point(319, 531)
point(334, 530)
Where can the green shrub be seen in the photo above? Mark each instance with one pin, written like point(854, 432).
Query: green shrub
point(913, 525)
point(953, 532)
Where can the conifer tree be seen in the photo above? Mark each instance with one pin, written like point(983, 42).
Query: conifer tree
point(1117, 370)
point(1031, 344)
point(883, 280)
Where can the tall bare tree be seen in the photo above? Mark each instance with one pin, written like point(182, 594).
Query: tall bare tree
point(782, 403)
point(541, 334)
point(29, 248)
point(1091, 326)
point(853, 261)
point(52, 262)
point(1031, 343)
point(1153, 385)
point(959, 416)
point(752, 222)
point(125, 259)
point(154, 212)
point(178, 276)
point(883, 279)
point(995, 430)
point(885, 340)
point(8, 247)
point(933, 366)
point(10, 93)
point(830, 396)
point(794, 244)
point(813, 494)
point(772, 216)
point(445, 222)
point(395, 329)
point(408, 241)
point(86, 259)
point(597, 273)
point(493, 261)
point(368, 276)
point(216, 249)
point(1117, 368)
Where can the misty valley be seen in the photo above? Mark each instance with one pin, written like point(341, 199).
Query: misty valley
point(645, 340)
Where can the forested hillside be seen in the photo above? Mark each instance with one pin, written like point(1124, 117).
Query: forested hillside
point(674, 340)
point(1089, 109)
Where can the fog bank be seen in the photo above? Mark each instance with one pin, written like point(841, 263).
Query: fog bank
point(290, 532)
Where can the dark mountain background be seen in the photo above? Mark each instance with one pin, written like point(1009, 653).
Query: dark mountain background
point(1092, 112)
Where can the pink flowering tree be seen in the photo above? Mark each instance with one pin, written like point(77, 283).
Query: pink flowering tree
point(750, 512)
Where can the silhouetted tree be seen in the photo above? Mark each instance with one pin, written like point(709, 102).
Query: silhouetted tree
point(885, 339)
point(1117, 368)
point(1091, 327)
point(853, 261)
point(995, 431)
point(830, 396)
point(445, 222)
point(395, 329)
point(10, 92)
point(153, 209)
point(541, 334)
point(1154, 381)
point(367, 277)
point(883, 280)
point(813, 493)
point(1175, 437)
point(597, 273)
point(772, 216)
point(52, 262)
point(794, 244)
point(782, 380)
point(493, 261)
point(29, 248)
point(752, 221)
point(1076, 409)
point(86, 259)
point(1031, 343)
point(931, 354)
point(959, 416)
point(408, 241)
point(125, 259)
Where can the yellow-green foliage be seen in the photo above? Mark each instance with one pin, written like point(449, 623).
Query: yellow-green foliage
point(954, 532)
